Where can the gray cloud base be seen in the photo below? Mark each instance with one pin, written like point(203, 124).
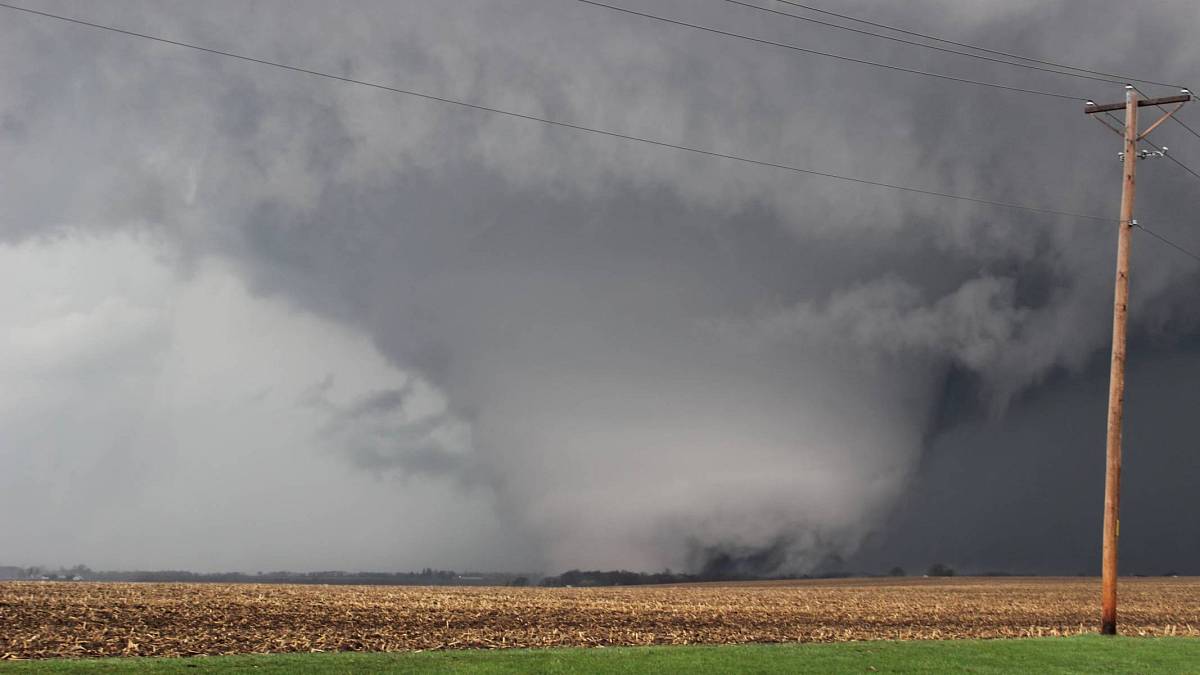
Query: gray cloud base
point(625, 356)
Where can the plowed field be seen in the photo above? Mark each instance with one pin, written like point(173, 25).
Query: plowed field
point(49, 619)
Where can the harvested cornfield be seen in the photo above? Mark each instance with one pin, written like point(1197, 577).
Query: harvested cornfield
point(47, 619)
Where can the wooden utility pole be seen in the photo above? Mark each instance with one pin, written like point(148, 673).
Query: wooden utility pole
point(1116, 384)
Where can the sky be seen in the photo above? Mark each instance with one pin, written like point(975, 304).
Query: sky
point(252, 319)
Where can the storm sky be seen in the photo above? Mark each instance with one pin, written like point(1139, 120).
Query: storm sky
point(254, 319)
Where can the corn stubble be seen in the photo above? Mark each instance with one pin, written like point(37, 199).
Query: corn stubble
point(49, 619)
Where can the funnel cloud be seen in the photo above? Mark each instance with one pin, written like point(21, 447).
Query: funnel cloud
point(259, 320)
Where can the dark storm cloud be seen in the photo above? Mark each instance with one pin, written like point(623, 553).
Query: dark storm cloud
point(656, 358)
point(1023, 493)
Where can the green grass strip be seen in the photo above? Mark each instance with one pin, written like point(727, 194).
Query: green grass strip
point(1087, 654)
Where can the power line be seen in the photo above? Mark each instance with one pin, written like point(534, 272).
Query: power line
point(1168, 242)
point(1183, 166)
point(1121, 78)
point(784, 45)
point(1099, 76)
point(1146, 139)
point(1120, 130)
point(557, 123)
point(576, 127)
point(927, 46)
point(1161, 150)
point(1173, 118)
point(1180, 122)
point(1185, 126)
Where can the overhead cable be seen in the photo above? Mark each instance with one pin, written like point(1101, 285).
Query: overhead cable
point(1114, 76)
point(893, 38)
point(562, 124)
point(840, 57)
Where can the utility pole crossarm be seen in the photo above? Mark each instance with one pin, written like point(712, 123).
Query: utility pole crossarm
point(1092, 108)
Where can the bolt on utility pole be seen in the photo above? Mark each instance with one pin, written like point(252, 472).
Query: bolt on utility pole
point(1116, 386)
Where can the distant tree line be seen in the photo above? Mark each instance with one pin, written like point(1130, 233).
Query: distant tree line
point(426, 577)
point(435, 577)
